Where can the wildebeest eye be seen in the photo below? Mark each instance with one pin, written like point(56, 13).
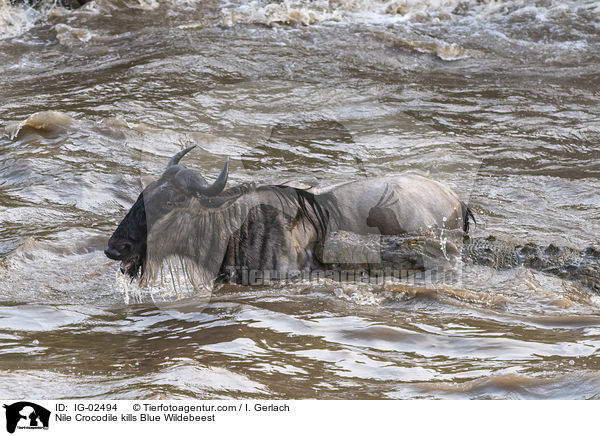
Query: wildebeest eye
point(173, 201)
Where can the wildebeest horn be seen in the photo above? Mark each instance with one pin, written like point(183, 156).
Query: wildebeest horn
point(175, 159)
point(196, 182)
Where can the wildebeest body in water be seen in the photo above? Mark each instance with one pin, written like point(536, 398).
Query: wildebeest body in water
point(216, 234)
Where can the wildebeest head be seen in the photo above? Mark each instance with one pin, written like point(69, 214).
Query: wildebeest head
point(172, 190)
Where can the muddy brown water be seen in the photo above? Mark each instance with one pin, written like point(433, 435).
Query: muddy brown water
point(501, 100)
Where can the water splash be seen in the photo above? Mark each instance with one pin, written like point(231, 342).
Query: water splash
point(174, 280)
point(15, 20)
point(47, 122)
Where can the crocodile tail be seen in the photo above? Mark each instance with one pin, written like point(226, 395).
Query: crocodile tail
point(467, 216)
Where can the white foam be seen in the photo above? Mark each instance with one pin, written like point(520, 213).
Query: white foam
point(15, 20)
point(68, 35)
point(308, 12)
point(144, 5)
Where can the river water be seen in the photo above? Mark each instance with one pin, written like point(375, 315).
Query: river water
point(500, 100)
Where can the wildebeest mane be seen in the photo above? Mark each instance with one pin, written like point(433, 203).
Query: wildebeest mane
point(317, 211)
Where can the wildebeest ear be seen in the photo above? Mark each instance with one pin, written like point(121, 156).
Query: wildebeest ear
point(175, 159)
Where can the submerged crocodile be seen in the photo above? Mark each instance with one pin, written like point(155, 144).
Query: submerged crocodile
point(420, 252)
point(581, 266)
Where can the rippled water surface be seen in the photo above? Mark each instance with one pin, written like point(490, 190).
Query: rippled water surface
point(500, 100)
